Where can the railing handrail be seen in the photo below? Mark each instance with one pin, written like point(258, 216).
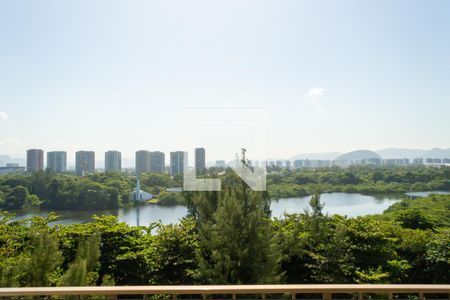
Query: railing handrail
point(229, 289)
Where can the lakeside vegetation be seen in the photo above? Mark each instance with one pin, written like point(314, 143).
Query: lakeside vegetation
point(71, 192)
point(422, 213)
point(357, 179)
point(229, 237)
point(112, 190)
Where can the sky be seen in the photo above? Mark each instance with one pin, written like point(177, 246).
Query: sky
point(126, 75)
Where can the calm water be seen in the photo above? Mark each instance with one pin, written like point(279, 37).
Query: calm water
point(145, 214)
point(425, 194)
point(351, 205)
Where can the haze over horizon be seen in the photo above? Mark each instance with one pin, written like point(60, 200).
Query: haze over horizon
point(387, 153)
point(331, 76)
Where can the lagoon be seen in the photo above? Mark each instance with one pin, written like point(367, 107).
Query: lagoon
point(349, 204)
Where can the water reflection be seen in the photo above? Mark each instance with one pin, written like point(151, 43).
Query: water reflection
point(130, 215)
point(352, 205)
point(426, 194)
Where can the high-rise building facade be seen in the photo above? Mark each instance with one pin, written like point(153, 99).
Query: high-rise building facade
point(418, 161)
point(57, 161)
point(11, 169)
point(177, 161)
point(288, 164)
point(157, 162)
point(200, 160)
point(437, 161)
point(307, 163)
point(113, 161)
point(298, 163)
point(220, 164)
point(35, 160)
point(142, 161)
point(84, 162)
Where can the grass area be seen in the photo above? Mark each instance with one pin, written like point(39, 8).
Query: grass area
point(153, 201)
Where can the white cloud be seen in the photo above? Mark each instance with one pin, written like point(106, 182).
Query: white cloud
point(312, 103)
point(3, 115)
point(316, 92)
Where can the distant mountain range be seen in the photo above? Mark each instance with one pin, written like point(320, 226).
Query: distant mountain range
point(414, 153)
point(388, 153)
point(358, 155)
point(317, 156)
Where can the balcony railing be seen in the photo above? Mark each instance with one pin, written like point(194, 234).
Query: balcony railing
point(296, 291)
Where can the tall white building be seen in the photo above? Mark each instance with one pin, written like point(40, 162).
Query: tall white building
point(84, 162)
point(177, 162)
point(200, 160)
point(142, 161)
point(157, 162)
point(35, 160)
point(113, 161)
point(57, 161)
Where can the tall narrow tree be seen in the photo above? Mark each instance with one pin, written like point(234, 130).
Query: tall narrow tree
point(43, 259)
point(82, 270)
point(236, 235)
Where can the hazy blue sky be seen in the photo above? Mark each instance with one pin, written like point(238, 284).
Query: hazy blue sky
point(332, 75)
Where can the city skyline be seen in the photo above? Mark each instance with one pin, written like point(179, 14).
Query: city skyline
point(332, 77)
point(386, 153)
point(154, 161)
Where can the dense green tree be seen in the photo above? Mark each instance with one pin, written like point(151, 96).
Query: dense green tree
point(155, 179)
point(82, 271)
point(438, 257)
point(16, 197)
point(120, 246)
point(171, 254)
point(238, 246)
point(170, 198)
point(414, 219)
point(375, 240)
point(315, 247)
point(42, 260)
point(236, 236)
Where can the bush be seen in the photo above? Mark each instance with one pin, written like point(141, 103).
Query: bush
point(171, 198)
